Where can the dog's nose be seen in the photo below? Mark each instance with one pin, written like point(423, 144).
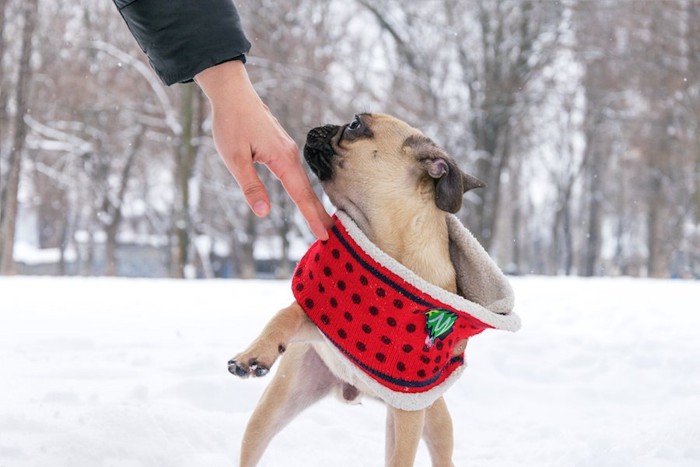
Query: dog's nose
point(318, 151)
point(321, 135)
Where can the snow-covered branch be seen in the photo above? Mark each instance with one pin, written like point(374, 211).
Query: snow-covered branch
point(148, 75)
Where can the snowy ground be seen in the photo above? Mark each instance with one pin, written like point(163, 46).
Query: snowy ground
point(131, 373)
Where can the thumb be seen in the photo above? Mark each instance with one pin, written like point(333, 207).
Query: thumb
point(252, 187)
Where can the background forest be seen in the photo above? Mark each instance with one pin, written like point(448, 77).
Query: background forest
point(583, 116)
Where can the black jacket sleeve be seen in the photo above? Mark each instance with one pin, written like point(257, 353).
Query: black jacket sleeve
point(184, 37)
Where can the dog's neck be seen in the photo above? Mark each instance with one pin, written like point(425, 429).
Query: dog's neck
point(418, 240)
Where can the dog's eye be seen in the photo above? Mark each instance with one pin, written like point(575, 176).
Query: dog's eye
point(355, 124)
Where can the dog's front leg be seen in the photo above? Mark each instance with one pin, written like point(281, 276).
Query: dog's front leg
point(407, 430)
point(289, 325)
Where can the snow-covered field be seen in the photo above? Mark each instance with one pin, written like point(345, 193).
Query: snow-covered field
point(131, 373)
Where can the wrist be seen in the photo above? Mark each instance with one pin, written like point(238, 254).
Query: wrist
point(223, 79)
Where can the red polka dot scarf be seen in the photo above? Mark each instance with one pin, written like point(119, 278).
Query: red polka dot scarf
point(396, 331)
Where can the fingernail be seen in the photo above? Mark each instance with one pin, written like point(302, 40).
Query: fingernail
point(261, 208)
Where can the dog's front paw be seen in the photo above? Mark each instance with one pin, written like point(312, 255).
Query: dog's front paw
point(243, 370)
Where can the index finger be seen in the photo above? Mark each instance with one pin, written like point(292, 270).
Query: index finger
point(297, 184)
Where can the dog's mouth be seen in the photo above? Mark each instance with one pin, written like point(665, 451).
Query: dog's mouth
point(318, 151)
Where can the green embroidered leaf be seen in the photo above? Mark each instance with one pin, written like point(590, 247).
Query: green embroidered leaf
point(439, 323)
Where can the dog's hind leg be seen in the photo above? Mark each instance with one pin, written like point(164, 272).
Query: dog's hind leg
point(301, 380)
point(438, 434)
point(407, 429)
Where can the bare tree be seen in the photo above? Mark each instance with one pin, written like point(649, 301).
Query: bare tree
point(8, 216)
point(500, 47)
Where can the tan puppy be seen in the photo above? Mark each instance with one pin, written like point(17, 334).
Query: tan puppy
point(398, 187)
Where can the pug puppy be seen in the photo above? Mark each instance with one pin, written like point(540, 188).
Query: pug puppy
point(398, 187)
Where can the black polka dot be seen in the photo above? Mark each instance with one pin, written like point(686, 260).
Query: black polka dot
point(299, 287)
point(398, 303)
point(327, 271)
point(381, 292)
point(407, 348)
point(325, 319)
point(373, 310)
point(335, 253)
point(421, 373)
point(380, 357)
point(348, 316)
point(391, 321)
point(411, 327)
point(425, 359)
point(363, 280)
point(299, 272)
point(386, 340)
point(356, 299)
point(401, 366)
point(436, 369)
point(334, 302)
point(366, 328)
point(317, 257)
point(439, 345)
point(341, 285)
point(437, 359)
point(342, 334)
point(361, 346)
point(348, 267)
point(321, 288)
point(426, 348)
point(311, 275)
point(309, 303)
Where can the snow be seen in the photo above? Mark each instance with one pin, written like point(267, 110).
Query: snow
point(31, 255)
point(131, 373)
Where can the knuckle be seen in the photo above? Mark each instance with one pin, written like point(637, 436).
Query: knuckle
point(252, 189)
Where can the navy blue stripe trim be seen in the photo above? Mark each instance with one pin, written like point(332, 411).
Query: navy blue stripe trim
point(409, 295)
point(398, 381)
point(376, 273)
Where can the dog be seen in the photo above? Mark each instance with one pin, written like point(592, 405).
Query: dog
point(397, 190)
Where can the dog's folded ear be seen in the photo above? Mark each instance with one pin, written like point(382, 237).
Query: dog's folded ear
point(451, 183)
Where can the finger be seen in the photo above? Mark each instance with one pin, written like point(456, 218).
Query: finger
point(243, 170)
point(297, 184)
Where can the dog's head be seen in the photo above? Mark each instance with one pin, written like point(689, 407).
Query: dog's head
point(376, 159)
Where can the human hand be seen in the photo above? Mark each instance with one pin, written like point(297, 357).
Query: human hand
point(246, 132)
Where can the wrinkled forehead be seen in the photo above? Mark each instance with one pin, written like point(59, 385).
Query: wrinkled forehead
point(391, 127)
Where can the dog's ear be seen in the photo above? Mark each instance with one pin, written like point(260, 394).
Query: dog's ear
point(450, 182)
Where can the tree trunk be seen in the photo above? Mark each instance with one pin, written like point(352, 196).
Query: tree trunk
point(115, 210)
point(184, 161)
point(593, 235)
point(568, 239)
point(652, 229)
point(246, 258)
point(594, 169)
point(9, 213)
point(3, 86)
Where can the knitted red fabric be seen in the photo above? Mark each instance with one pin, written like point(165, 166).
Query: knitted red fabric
point(400, 336)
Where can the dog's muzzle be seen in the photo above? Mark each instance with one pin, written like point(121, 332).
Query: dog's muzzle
point(318, 151)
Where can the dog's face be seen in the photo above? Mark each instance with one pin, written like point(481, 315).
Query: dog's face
point(377, 159)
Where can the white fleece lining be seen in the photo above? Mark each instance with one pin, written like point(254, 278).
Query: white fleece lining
point(506, 320)
point(499, 315)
